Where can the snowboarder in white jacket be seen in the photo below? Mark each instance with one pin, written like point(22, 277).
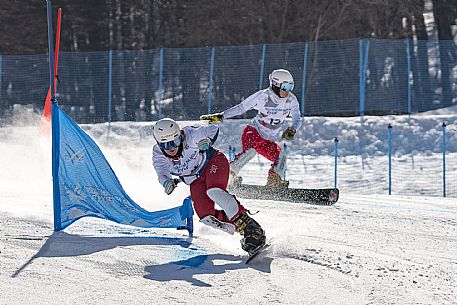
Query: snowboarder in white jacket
point(188, 153)
point(274, 104)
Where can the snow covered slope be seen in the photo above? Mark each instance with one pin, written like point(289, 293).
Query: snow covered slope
point(363, 250)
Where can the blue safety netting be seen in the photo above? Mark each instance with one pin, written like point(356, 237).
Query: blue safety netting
point(344, 77)
point(355, 77)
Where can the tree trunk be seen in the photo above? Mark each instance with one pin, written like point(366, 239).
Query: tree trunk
point(443, 18)
point(422, 84)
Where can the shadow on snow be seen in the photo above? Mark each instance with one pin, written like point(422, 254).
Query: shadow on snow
point(185, 270)
point(62, 244)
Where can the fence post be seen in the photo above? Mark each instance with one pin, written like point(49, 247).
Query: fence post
point(262, 66)
point(232, 153)
point(408, 61)
point(390, 158)
point(363, 64)
point(1, 71)
point(361, 81)
point(110, 92)
point(361, 91)
point(303, 84)
point(211, 72)
point(336, 162)
point(159, 111)
point(285, 153)
point(110, 83)
point(444, 158)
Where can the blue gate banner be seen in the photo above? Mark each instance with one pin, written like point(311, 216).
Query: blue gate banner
point(84, 184)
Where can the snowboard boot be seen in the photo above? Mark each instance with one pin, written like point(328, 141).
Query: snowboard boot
point(275, 181)
point(253, 234)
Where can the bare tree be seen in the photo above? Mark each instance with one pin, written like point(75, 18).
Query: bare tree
point(445, 13)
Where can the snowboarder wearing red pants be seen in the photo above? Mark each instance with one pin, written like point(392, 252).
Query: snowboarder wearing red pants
point(273, 104)
point(188, 154)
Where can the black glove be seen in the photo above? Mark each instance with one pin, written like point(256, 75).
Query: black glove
point(289, 133)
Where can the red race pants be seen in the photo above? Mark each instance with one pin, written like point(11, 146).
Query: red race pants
point(252, 139)
point(216, 174)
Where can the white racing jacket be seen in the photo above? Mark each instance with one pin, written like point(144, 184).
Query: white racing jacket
point(191, 163)
point(272, 111)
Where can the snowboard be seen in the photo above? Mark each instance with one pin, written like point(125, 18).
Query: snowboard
point(325, 196)
point(257, 252)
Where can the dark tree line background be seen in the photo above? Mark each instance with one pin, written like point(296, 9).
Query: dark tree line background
point(97, 25)
point(101, 25)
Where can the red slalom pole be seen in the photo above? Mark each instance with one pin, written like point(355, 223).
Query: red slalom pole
point(47, 105)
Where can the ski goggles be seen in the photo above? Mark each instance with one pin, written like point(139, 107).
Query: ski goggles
point(171, 144)
point(287, 87)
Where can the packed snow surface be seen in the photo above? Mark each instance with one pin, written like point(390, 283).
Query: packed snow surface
point(366, 249)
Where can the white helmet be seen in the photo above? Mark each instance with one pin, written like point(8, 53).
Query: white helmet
point(167, 133)
point(281, 79)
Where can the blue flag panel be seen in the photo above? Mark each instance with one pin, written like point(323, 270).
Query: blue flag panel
point(86, 185)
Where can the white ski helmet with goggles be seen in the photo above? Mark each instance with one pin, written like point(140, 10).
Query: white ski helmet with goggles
point(167, 134)
point(281, 80)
